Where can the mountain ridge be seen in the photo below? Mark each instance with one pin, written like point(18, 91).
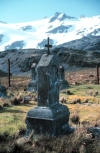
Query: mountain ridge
point(60, 27)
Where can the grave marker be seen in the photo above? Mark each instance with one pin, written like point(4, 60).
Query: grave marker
point(62, 82)
point(33, 83)
point(49, 117)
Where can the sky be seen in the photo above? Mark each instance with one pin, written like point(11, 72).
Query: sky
point(16, 11)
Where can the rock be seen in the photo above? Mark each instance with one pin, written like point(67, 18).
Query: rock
point(91, 75)
point(96, 93)
point(85, 123)
point(25, 89)
point(68, 92)
point(5, 105)
point(15, 102)
point(76, 83)
point(86, 101)
point(76, 101)
point(62, 100)
point(96, 125)
point(75, 118)
point(94, 130)
point(79, 100)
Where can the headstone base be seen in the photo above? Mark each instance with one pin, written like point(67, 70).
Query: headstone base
point(51, 121)
point(32, 86)
point(63, 84)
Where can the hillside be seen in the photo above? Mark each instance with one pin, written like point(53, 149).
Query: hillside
point(21, 60)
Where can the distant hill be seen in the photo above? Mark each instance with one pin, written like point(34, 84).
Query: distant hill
point(21, 60)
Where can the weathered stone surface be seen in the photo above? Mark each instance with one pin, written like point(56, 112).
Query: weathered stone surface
point(48, 83)
point(2, 91)
point(33, 83)
point(49, 117)
point(51, 121)
point(62, 82)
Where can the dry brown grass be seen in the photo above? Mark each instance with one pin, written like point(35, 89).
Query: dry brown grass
point(12, 120)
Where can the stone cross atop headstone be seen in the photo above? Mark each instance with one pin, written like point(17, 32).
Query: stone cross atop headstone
point(48, 83)
point(48, 46)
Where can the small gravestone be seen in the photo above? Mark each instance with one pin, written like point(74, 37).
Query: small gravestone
point(62, 82)
point(49, 117)
point(3, 92)
point(32, 86)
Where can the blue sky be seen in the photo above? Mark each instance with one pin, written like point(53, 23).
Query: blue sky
point(14, 11)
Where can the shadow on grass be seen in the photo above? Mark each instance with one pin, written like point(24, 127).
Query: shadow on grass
point(30, 104)
point(5, 110)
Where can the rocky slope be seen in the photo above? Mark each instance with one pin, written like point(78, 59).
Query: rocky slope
point(21, 60)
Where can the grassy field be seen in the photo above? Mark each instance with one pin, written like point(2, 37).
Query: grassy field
point(83, 101)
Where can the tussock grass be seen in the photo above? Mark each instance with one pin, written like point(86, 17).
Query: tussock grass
point(89, 109)
point(12, 120)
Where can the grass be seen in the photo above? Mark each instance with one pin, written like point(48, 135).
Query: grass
point(12, 120)
point(90, 111)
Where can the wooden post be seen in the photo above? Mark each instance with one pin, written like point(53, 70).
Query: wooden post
point(97, 67)
point(9, 72)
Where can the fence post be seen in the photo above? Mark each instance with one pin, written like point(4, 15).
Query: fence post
point(97, 67)
point(9, 72)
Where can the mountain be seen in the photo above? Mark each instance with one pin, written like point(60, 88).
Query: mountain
point(77, 33)
point(87, 43)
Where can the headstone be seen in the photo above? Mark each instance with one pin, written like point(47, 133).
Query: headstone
point(3, 92)
point(32, 86)
point(62, 82)
point(49, 117)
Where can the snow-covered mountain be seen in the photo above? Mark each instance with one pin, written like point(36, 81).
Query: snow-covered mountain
point(60, 27)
